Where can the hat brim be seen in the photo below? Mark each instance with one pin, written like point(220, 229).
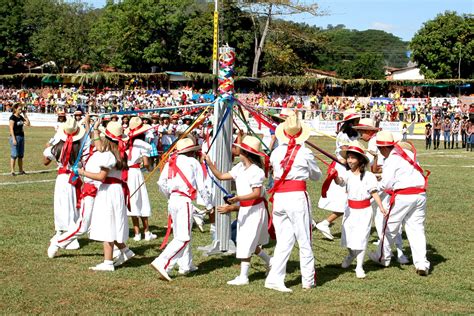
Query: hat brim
point(240, 146)
point(282, 138)
point(102, 134)
point(366, 128)
point(189, 149)
point(142, 130)
point(345, 151)
point(62, 136)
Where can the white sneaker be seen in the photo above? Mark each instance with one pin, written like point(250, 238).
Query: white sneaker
point(346, 263)
point(116, 253)
point(403, 259)
point(280, 288)
point(422, 272)
point(161, 271)
point(239, 281)
point(74, 245)
point(53, 249)
point(149, 236)
point(137, 237)
point(360, 273)
point(375, 258)
point(193, 268)
point(103, 267)
point(308, 287)
point(324, 229)
point(124, 257)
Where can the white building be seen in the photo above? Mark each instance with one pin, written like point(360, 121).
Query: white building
point(408, 73)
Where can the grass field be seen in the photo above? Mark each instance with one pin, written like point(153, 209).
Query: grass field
point(32, 283)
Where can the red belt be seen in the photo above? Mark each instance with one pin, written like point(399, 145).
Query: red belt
point(270, 228)
point(291, 186)
point(125, 189)
point(252, 202)
point(63, 171)
point(358, 204)
point(137, 165)
point(88, 190)
point(178, 192)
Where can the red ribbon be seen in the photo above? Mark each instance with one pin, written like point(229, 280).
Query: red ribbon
point(67, 148)
point(291, 146)
point(287, 168)
point(332, 174)
point(122, 146)
point(173, 171)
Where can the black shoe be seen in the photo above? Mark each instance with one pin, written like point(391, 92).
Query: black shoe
point(22, 173)
point(13, 174)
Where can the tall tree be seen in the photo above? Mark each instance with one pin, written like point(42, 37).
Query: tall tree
point(364, 66)
point(263, 12)
point(444, 46)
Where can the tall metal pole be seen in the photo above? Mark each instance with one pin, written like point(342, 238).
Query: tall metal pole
point(222, 153)
point(215, 46)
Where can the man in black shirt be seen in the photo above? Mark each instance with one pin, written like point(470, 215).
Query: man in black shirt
point(17, 137)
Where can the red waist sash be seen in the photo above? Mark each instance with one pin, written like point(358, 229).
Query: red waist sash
point(358, 204)
point(89, 190)
point(291, 186)
point(125, 189)
point(181, 193)
point(252, 202)
point(137, 165)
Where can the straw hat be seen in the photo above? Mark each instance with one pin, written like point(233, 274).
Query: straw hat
point(385, 138)
point(366, 124)
point(70, 128)
point(284, 113)
point(114, 131)
point(136, 127)
point(250, 144)
point(405, 145)
point(355, 147)
point(292, 126)
point(61, 113)
point(350, 114)
point(186, 145)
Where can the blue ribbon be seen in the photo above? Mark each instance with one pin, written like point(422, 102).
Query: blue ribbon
point(79, 155)
point(221, 123)
point(214, 180)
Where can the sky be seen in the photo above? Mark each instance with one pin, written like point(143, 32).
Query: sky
point(403, 18)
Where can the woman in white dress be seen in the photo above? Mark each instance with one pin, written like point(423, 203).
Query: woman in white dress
point(138, 153)
point(360, 185)
point(335, 198)
point(109, 222)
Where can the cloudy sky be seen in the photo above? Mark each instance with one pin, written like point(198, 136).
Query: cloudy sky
point(399, 17)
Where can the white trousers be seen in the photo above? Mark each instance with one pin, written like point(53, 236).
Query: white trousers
point(179, 249)
point(292, 221)
point(81, 226)
point(409, 210)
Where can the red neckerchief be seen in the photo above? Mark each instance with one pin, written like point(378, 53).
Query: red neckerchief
point(400, 152)
point(67, 148)
point(291, 146)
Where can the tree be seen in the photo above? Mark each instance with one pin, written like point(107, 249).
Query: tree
point(364, 66)
point(263, 12)
point(444, 46)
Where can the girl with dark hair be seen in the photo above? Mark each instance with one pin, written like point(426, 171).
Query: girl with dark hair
point(17, 137)
point(333, 198)
point(360, 185)
point(252, 221)
point(109, 222)
point(65, 193)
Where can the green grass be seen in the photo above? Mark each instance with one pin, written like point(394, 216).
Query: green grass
point(32, 283)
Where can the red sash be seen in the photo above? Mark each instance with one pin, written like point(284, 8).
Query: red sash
point(291, 186)
point(123, 183)
point(287, 162)
point(168, 233)
point(88, 190)
point(137, 165)
point(331, 176)
point(270, 228)
point(174, 170)
point(359, 204)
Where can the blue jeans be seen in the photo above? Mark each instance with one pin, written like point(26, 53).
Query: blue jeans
point(18, 150)
point(447, 137)
point(436, 137)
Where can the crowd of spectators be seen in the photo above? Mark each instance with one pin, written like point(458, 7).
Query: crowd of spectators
point(391, 107)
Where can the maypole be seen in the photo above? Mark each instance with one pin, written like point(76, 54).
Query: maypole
point(222, 151)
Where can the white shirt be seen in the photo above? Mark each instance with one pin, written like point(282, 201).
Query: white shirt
point(304, 167)
point(140, 149)
point(357, 189)
point(167, 139)
point(247, 178)
point(397, 173)
point(191, 168)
